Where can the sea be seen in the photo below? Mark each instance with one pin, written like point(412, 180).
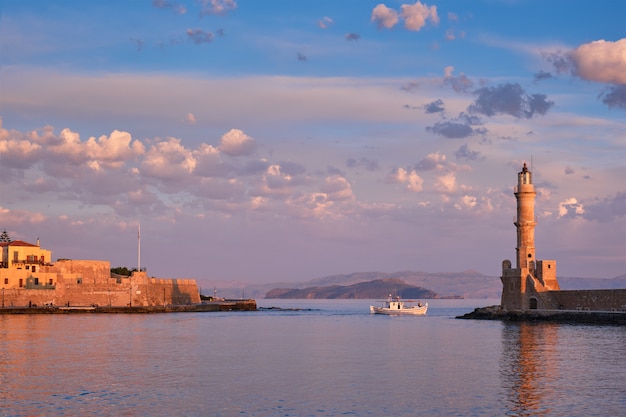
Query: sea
point(308, 358)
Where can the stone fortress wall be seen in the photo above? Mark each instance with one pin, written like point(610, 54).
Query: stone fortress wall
point(89, 282)
point(592, 300)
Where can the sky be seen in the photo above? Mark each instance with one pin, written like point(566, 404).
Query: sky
point(282, 140)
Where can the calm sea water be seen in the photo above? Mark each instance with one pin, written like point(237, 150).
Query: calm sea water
point(332, 358)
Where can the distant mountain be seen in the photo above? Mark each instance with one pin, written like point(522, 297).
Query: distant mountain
point(379, 288)
point(467, 284)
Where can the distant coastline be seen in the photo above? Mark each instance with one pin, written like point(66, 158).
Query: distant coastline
point(379, 288)
point(464, 284)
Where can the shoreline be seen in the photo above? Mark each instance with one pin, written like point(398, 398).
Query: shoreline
point(555, 316)
point(226, 305)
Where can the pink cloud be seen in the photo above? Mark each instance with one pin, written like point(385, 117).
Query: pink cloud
point(236, 143)
point(601, 61)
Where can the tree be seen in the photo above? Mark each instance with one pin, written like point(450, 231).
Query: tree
point(121, 270)
point(4, 236)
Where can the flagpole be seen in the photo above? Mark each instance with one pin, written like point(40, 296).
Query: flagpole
point(139, 248)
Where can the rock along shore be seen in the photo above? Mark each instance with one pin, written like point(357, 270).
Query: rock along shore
point(225, 305)
point(557, 316)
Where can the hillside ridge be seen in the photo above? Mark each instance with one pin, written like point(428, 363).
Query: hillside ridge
point(379, 288)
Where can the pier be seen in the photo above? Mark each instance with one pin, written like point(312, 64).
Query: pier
point(556, 316)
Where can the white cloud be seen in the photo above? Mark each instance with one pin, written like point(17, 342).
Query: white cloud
point(337, 188)
point(209, 163)
point(433, 161)
point(446, 183)
point(311, 205)
point(570, 207)
point(274, 183)
point(469, 201)
point(18, 153)
point(384, 17)
point(17, 217)
point(115, 149)
point(410, 178)
point(235, 143)
point(416, 15)
point(68, 144)
point(168, 160)
point(601, 61)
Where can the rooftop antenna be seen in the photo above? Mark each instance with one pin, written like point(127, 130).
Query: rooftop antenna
point(531, 163)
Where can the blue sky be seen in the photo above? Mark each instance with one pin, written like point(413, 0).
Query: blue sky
point(287, 140)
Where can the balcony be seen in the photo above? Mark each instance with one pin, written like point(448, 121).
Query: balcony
point(33, 283)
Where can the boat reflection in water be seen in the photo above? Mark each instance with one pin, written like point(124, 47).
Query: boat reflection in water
point(394, 306)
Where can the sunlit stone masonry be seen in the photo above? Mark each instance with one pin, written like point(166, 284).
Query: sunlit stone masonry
point(29, 278)
point(533, 284)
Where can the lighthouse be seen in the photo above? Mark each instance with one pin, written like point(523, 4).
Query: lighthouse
point(525, 222)
point(526, 286)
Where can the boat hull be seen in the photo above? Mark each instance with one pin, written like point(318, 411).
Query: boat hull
point(402, 311)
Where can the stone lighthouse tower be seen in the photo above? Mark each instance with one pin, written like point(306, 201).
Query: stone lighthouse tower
point(525, 222)
point(523, 285)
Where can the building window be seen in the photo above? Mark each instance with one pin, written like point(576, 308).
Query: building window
point(50, 281)
point(21, 282)
point(79, 281)
point(533, 303)
point(511, 286)
point(6, 281)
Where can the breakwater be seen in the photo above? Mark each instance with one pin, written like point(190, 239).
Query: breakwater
point(558, 316)
point(225, 305)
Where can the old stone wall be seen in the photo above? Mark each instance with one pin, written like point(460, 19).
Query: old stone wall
point(87, 271)
point(155, 292)
point(85, 283)
point(595, 300)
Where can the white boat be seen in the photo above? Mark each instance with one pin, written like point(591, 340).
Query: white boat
point(396, 307)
